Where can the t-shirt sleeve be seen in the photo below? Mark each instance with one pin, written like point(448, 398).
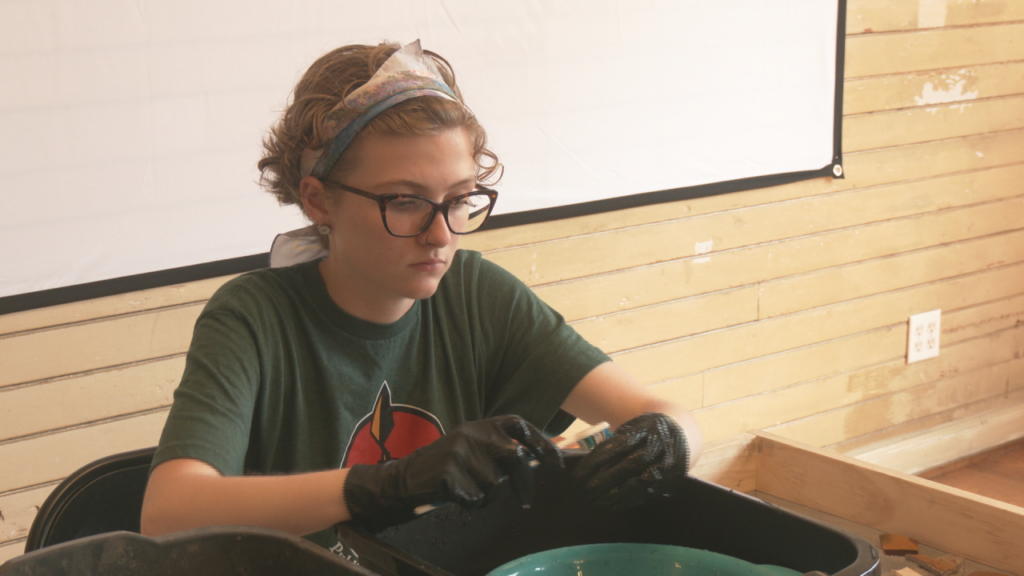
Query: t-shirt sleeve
point(214, 403)
point(540, 358)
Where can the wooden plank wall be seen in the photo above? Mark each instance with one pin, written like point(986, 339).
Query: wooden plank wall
point(781, 309)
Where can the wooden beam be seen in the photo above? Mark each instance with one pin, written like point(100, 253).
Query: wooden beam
point(878, 93)
point(671, 320)
point(920, 425)
point(819, 328)
point(947, 443)
point(863, 170)
point(879, 275)
point(108, 306)
point(69, 402)
point(687, 391)
point(877, 54)
point(966, 363)
point(86, 346)
point(48, 458)
point(19, 511)
point(646, 282)
point(959, 522)
point(730, 462)
point(711, 236)
point(11, 550)
point(852, 420)
point(867, 16)
point(934, 122)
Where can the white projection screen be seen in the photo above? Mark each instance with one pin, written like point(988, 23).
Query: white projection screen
point(130, 129)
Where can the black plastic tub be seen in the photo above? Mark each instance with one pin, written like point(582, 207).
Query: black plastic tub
point(221, 551)
point(452, 541)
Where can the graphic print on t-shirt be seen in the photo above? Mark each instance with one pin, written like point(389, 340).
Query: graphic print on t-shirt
point(390, 431)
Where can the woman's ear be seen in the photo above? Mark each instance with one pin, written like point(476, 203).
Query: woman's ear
point(314, 200)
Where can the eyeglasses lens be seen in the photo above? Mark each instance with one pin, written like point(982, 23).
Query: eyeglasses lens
point(408, 216)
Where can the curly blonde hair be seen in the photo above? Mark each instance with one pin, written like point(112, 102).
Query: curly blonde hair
point(326, 83)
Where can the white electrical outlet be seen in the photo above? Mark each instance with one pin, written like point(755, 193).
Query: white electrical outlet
point(923, 339)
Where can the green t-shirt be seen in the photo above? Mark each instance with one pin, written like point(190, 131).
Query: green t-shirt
point(279, 379)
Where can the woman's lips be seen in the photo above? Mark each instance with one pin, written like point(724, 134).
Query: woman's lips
point(429, 265)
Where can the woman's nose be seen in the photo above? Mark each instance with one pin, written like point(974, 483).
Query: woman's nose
point(437, 233)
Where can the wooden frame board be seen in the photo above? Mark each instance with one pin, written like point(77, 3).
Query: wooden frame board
point(876, 489)
point(975, 527)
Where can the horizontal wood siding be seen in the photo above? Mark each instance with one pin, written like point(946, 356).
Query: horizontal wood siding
point(781, 309)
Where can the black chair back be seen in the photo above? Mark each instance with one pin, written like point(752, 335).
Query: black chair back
point(103, 496)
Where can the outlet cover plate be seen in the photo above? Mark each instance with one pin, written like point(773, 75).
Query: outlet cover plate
point(923, 337)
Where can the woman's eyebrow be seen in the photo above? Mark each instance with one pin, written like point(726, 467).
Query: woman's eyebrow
point(420, 187)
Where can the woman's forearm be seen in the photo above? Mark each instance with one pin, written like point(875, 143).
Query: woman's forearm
point(609, 393)
point(184, 494)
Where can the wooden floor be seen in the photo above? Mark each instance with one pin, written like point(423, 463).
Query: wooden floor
point(997, 474)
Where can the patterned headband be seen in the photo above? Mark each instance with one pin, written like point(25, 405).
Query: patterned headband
point(406, 74)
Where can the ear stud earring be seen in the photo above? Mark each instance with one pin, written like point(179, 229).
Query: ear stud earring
point(324, 229)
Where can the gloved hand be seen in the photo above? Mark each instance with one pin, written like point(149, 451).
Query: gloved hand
point(467, 466)
point(645, 457)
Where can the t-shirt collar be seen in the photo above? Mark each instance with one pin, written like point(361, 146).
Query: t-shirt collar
point(334, 314)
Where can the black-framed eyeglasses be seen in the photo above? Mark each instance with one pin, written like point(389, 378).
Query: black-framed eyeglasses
point(408, 215)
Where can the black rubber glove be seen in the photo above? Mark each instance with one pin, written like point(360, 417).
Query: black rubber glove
point(645, 457)
point(466, 466)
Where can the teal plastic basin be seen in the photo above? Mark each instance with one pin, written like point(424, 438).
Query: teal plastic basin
point(639, 559)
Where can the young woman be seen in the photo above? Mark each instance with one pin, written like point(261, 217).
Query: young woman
point(397, 371)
